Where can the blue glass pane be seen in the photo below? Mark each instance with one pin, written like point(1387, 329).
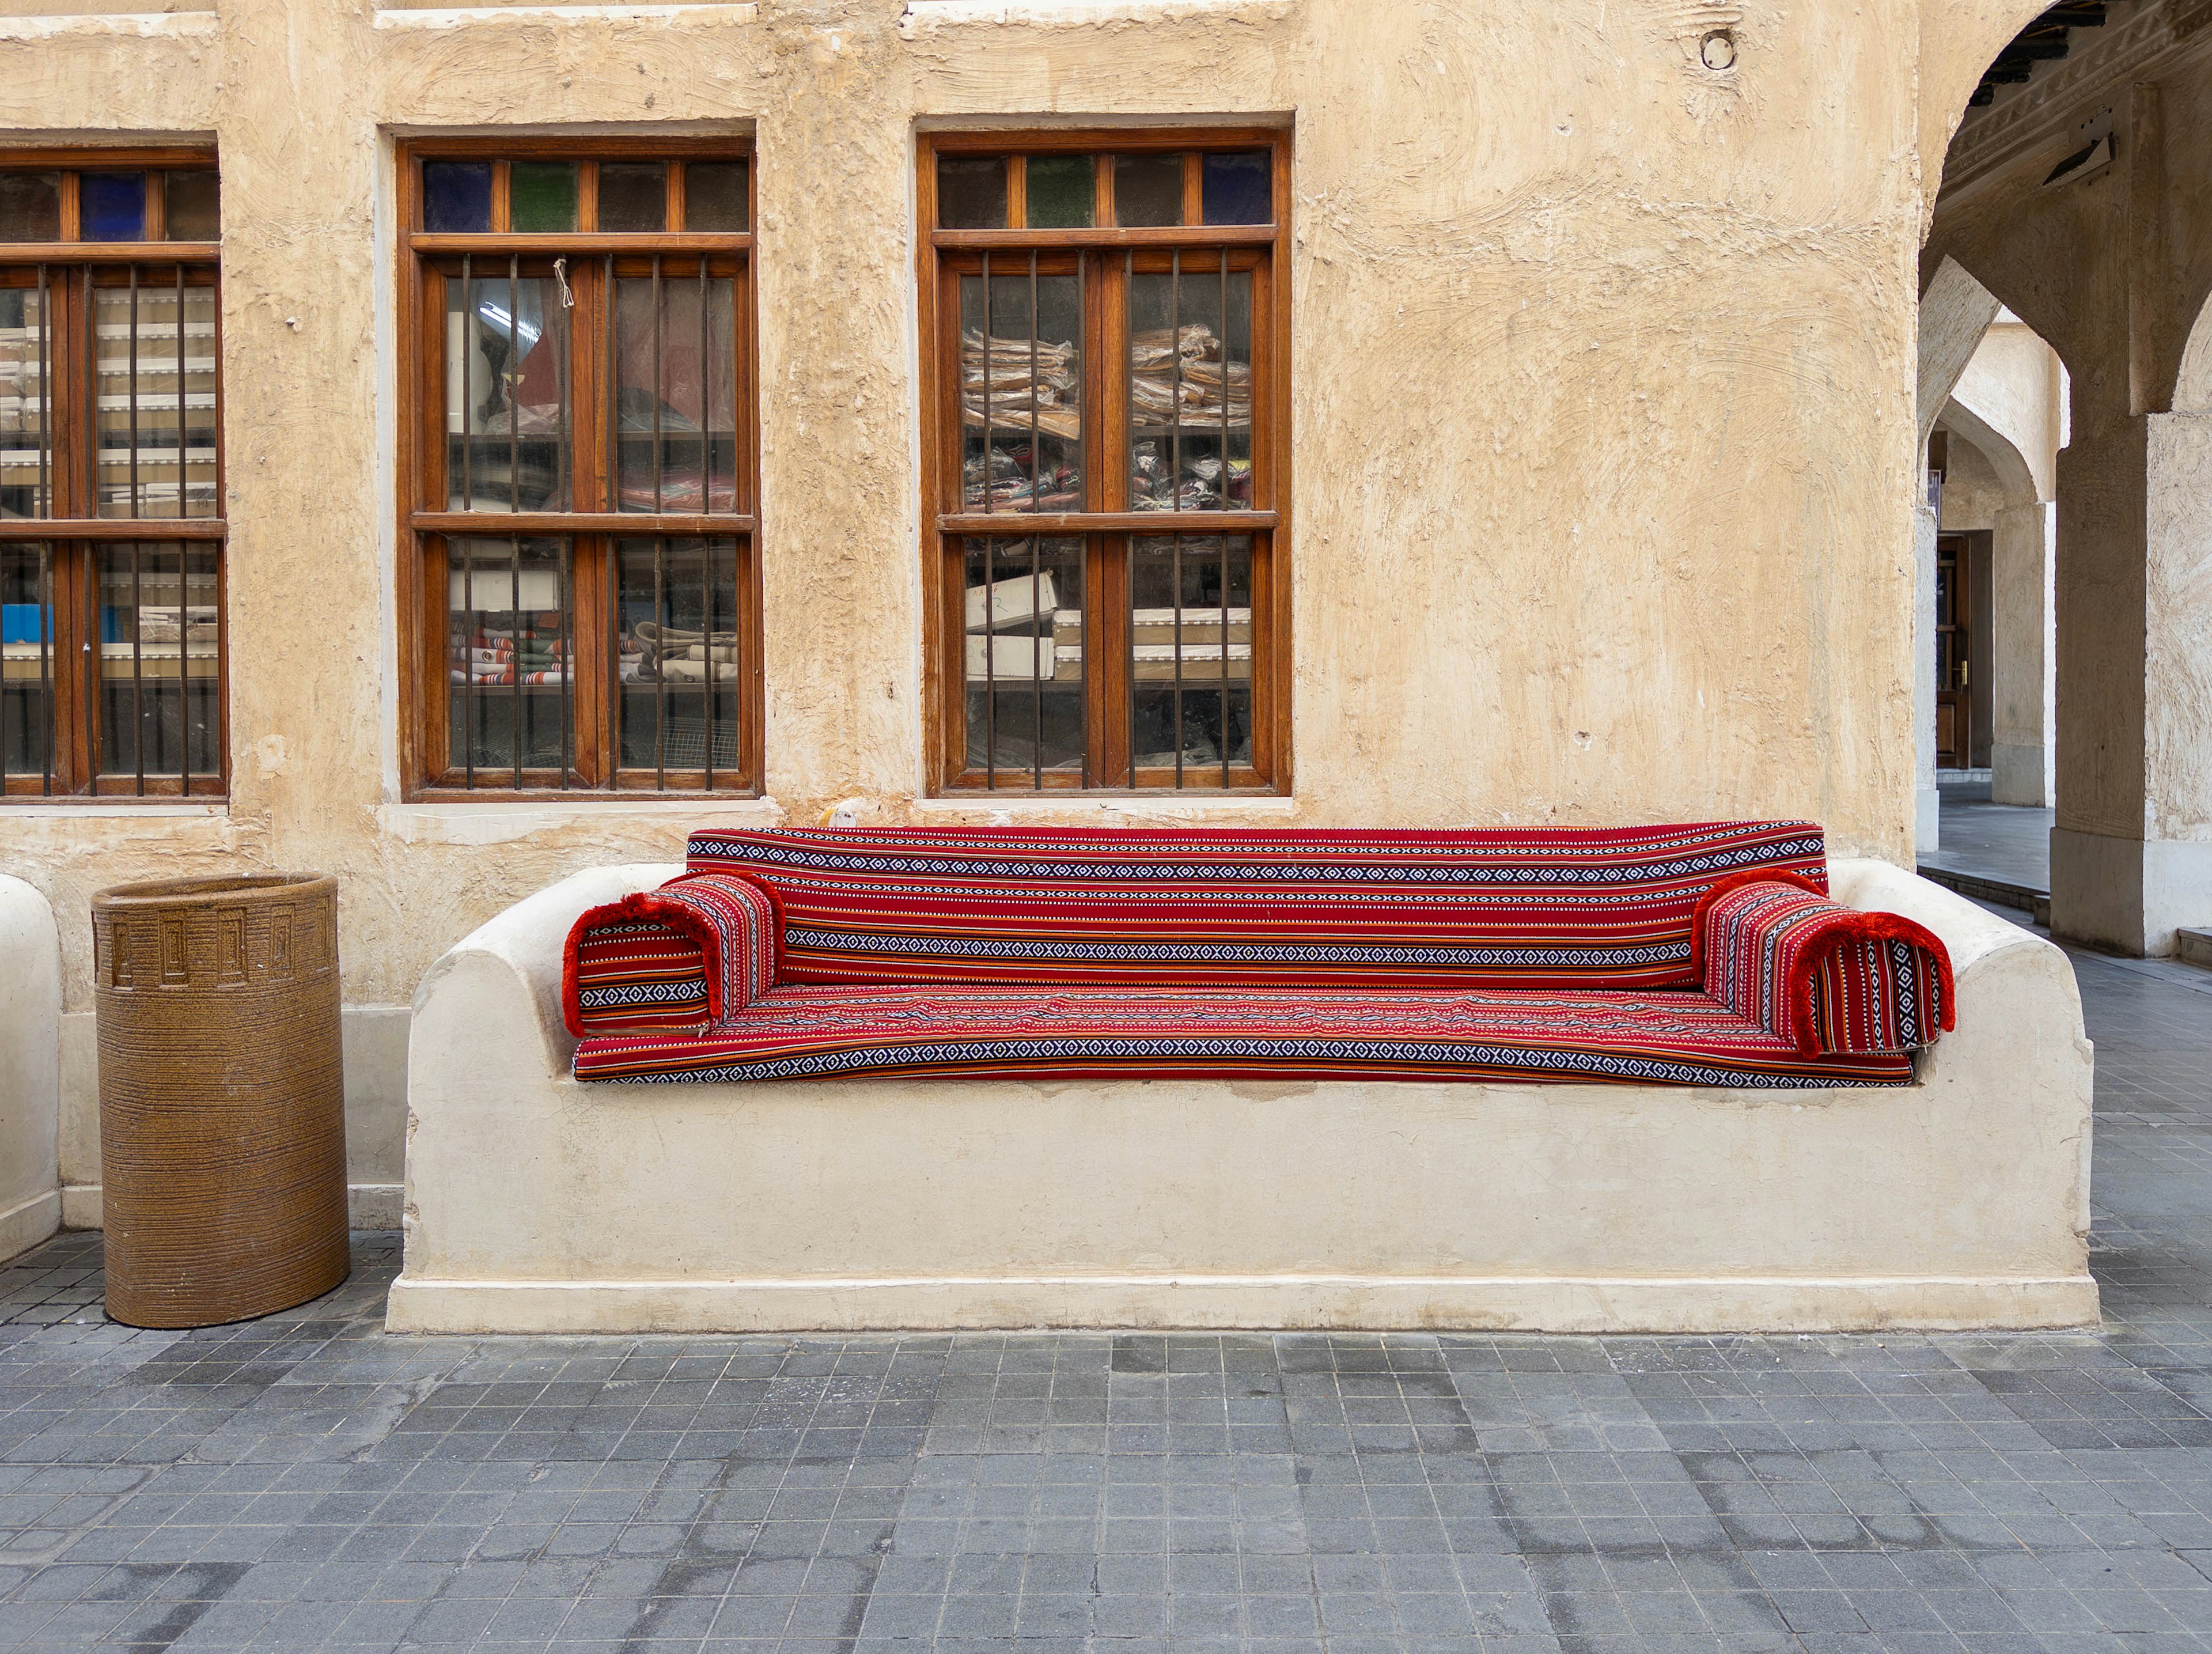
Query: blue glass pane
point(111, 206)
point(1236, 189)
point(456, 195)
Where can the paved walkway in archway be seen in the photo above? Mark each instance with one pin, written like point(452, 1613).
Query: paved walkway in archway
point(2006, 843)
point(308, 1482)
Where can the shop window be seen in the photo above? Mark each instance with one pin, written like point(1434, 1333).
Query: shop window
point(580, 486)
point(1107, 467)
point(112, 663)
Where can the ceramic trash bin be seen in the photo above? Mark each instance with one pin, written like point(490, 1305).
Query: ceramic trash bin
point(222, 1097)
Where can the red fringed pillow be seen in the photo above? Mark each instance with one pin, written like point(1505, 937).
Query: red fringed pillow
point(698, 949)
point(1832, 979)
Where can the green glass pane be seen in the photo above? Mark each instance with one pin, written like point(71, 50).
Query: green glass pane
point(1063, 192)
point(542, 197)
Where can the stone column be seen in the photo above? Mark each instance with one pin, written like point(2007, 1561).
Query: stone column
point(1927, 812)
point(2131, 855)
point(2023, 617)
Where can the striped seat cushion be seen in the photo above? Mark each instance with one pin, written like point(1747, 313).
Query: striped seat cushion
point(699, 948)
point(1194, 908)
point(1828, 978)
point(1680, 1037)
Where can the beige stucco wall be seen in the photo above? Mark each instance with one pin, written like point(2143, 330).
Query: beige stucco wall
point(1604, 396)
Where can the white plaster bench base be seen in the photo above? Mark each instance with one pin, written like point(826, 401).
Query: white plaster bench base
point(535, 1204)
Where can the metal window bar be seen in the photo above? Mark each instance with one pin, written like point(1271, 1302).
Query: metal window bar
point(610, 317)
point(468, 408)
point(990, 413)
point(661, 618)
point(611, 774)
point(138, 661)
point(1177, 543)
point(610, 492)
point(514, 378)
point(564, 482)
point(1175, 449)
point(1223, 502)
point(518, 702)
point(46, 664)
point(1034, 325)
point(990, 655)
point(468, 641)
point(1129, 401)
point(1037, 646)
point(659, 385)
point(183, 463)
point(705, 447)
point(707, 570)
point(1225, 579)
point(132, 391)
point(45, 408)
point(1083, 484)
point(705, 504)
point(567, 662)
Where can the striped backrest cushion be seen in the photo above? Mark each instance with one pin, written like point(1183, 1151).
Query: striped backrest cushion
point(1560, 908)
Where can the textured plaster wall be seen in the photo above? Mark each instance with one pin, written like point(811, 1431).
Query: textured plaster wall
point(1604, 379)
point(1972, 496)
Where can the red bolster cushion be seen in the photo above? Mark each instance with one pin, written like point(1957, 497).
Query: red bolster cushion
point(1832, 979)
point(696, 951)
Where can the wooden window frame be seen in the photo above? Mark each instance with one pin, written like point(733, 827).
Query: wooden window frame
point(1107, 532)
point(76, 532)
point(425, 523)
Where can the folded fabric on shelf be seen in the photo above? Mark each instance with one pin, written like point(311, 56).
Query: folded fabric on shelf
point(1026, 382)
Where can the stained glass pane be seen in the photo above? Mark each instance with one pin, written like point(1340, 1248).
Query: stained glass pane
point(112, 206)
point(971, 192)
point(1147, 190)
point(30, 206)
point(456, 195)
point(632, 196)
point(1238, 188)
point(715, 195)
point(1063, 191)
point(191, 206)
point(542, 196)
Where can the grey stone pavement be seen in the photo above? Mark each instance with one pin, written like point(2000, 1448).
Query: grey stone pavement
point(2004, 843)
point(308, 1482)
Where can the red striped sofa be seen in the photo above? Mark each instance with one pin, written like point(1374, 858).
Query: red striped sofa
point(1706, 955)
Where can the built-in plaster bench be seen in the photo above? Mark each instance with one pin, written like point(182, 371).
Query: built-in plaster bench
point(1050, 1077)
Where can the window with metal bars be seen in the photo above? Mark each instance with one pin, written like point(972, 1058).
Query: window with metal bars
point(112, 662)
point(581, 495)
point(1107, 467)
